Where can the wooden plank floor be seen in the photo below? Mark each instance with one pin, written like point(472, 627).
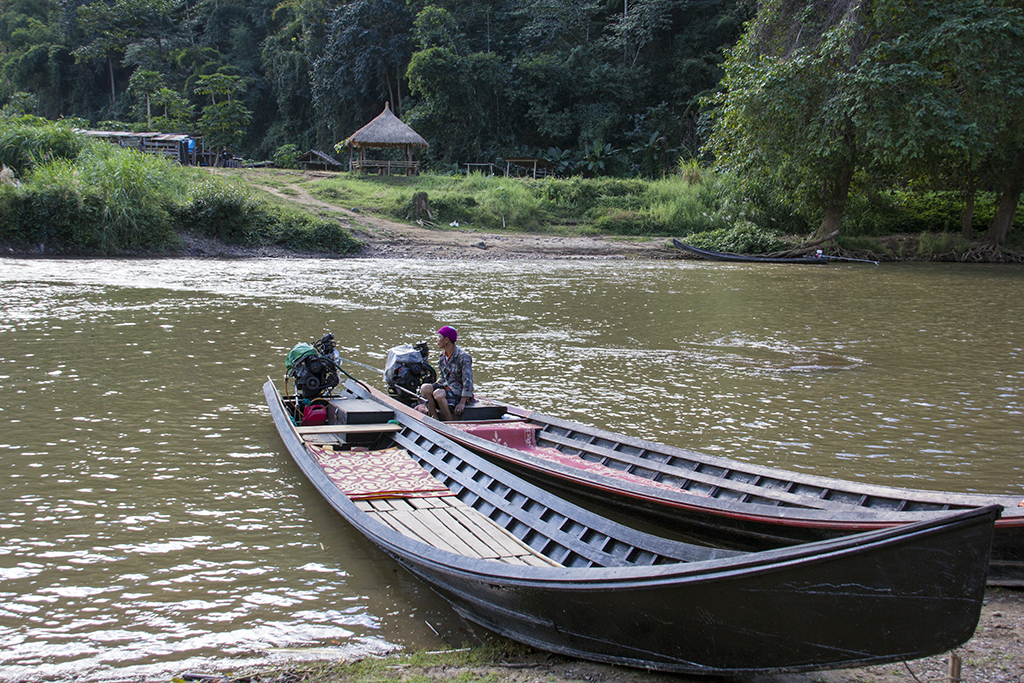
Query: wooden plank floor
point(447, 523)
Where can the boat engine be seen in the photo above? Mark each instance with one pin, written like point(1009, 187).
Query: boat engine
point(407, 369)
point(314, 366)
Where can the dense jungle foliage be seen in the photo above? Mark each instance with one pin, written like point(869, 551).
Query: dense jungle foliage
point(478, 78)
point(825, 114)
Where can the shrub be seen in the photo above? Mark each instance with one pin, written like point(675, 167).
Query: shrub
point(26, 143)
point(744, 238)
point(231, 212)
point(223, 210)
point(286, 156)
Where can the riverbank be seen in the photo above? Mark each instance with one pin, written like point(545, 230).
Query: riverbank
point(994, 655)
point(305, 207)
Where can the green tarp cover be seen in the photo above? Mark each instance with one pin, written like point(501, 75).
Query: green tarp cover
point(300, 351)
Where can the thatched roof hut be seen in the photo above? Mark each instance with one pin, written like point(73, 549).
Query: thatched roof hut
point(385, 131)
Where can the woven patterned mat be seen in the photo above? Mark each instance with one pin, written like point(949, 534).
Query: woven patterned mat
point(390, 473)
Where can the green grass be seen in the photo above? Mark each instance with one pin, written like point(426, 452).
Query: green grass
point(626, 207)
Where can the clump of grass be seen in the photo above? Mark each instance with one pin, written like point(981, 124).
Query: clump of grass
point(674, 206)
point(942, 246)
point(28, 142)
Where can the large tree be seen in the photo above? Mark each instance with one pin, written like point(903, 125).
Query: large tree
point(819, 91)
point(363, 62)
point(782, 120)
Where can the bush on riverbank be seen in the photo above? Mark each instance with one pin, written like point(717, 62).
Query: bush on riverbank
point(69, 195)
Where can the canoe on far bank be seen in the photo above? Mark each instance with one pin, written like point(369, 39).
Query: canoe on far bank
point(531, 566)
point(820, 258)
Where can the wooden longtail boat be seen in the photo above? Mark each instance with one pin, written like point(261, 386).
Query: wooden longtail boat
point(526, 564)
point(728, 502)
point(748, 258)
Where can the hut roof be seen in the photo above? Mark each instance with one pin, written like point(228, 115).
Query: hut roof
point(387, 130)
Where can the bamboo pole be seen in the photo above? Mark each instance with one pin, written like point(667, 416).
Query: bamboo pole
point(954, 668)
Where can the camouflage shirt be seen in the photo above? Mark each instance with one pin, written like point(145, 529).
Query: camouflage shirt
point(456, 373)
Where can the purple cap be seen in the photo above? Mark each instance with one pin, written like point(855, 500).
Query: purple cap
point(448, 332)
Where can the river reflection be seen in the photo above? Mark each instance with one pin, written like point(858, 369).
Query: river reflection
point(152, 522)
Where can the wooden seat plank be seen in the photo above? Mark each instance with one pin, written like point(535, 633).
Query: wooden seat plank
point(375, 428)
point(323, 439)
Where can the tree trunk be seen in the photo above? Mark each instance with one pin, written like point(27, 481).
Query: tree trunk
point(391, 93)
point(967, 218)
point(421, 206)
point(836, 203)
point(110, 70)
point(398, 87)
point(1003, 222)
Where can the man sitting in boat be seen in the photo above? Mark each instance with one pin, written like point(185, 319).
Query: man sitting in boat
point(454, 386)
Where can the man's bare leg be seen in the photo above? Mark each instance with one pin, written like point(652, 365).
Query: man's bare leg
point(426, 391)
point(442, 403)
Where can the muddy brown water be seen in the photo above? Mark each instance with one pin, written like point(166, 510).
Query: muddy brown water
point(151, 523)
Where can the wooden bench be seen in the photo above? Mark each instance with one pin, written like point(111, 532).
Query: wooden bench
point(445, 522)
point(377, 428)
point(326, 435)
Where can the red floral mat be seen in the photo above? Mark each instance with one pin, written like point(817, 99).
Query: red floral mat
point(390, 473)
point(523, 437)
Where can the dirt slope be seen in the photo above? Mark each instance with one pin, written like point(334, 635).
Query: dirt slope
point(387, 238)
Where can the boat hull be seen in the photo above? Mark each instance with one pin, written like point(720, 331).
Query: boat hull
point(747, 258)
point(726, 622)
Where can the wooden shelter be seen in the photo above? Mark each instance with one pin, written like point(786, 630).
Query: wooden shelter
point(384, 132)
point(184, 148)
point(316, 160)
point(540, 167)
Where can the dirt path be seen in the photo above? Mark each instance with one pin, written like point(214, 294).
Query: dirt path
point(392, 239)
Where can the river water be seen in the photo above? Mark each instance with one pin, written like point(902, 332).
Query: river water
point(152, 524)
